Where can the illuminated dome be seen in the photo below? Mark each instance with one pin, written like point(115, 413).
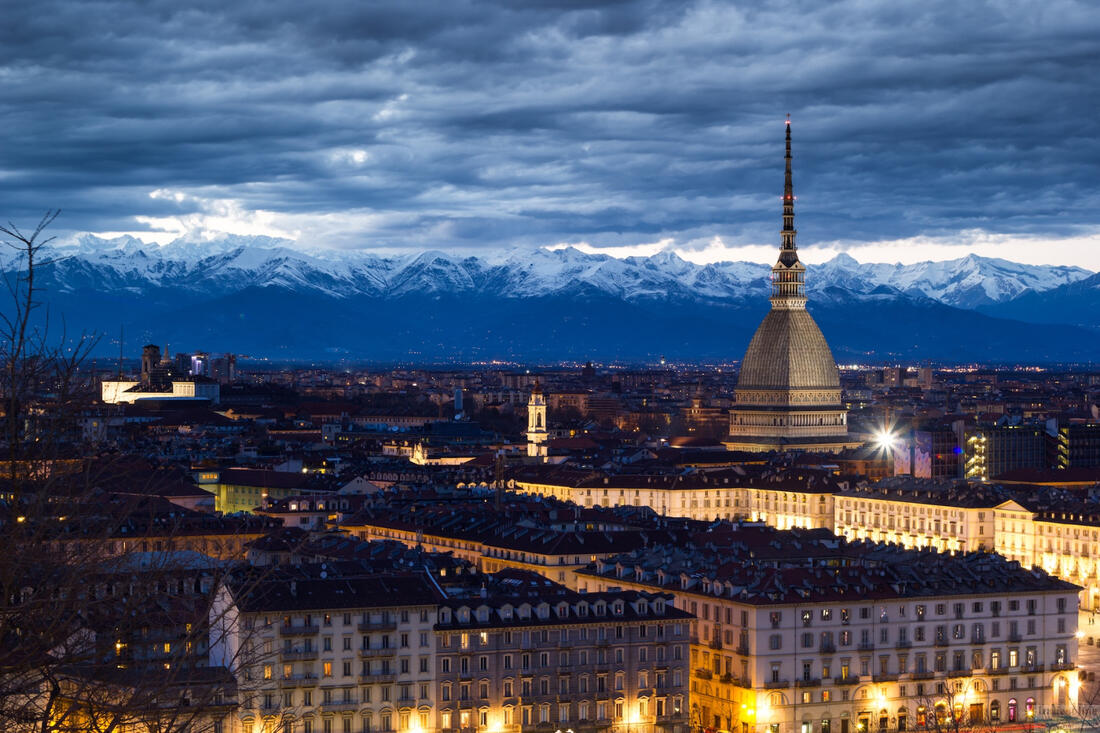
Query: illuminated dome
point(788, 351)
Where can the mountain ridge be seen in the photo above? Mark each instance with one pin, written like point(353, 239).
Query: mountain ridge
point(224, 294)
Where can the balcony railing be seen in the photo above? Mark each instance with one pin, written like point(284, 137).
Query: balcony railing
point(777, 684)
point(299, 681)
point(377, 652)
point(302, 629)
point(370, 626)
point(374, 679)
point(807, 683)
point(337, 706)
point(849, 680)
point(298, 654)
point(866, 646)
point(903, 644)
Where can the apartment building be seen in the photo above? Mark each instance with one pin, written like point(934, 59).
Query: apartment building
point(947, 515)
point(328, 655)
point(785, 498)
point(561, 660)
point(806, 632)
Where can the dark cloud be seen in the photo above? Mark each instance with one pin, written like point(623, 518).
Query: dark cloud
point(464, 124)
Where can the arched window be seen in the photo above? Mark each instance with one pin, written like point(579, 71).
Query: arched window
point(1012, 710)
point(1029, 707)
point(995, 711)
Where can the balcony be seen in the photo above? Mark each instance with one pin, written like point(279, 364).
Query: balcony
point(849, 680)
point(375, 653)
point(925, 675)
point(960, 672)
point(339, 706)
point(370, 626)
point(941, 641)
point(377, 679)
point(998, 671)
point(828, 647)
point(885, 677)
point(903, 644)
point(703, 674)
point(1031, 668)
point(807, 683)
point(742, 649)
point(298, 655)
point(301, 630)
point(1062, 666)
point(715, 644)
point(777, 685)
point(1015, 636)
point(866, 646)
point(299, 681)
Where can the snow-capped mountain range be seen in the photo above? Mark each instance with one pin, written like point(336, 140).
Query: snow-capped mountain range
point(228, 263)
point(272, 296)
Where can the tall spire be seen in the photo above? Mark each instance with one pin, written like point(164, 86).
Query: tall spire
point(788, 254)
point(788, 290)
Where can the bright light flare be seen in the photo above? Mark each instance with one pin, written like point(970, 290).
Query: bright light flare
point(886, 440)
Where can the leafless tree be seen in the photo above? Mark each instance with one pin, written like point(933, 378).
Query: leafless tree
point(106, 604)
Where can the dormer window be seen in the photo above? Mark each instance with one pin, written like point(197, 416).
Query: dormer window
point(617, 608)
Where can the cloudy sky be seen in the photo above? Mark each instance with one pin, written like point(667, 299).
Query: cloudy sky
point(922, 129)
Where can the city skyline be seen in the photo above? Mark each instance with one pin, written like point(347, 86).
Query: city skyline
point(623, 129)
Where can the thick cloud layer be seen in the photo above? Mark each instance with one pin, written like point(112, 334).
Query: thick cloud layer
point(391, 124)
